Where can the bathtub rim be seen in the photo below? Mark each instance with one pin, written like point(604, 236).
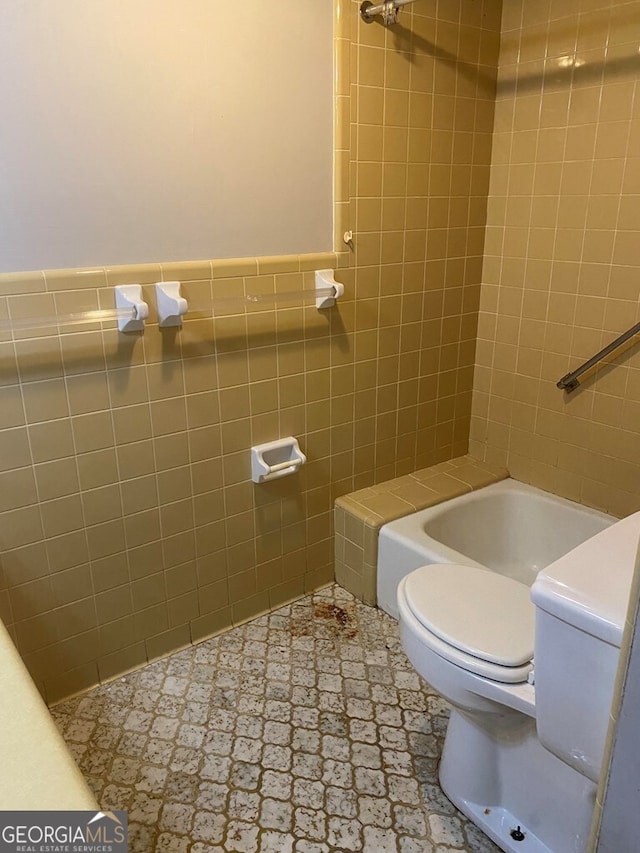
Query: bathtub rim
point(405, 531)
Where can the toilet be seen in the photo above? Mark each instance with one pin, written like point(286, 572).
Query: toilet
point(530, 676)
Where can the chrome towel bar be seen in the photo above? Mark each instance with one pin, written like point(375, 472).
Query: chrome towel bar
point(570, 381)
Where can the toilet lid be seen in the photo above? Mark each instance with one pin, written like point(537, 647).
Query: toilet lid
point(478, 611)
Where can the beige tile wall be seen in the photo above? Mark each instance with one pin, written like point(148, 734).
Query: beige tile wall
point(128, 523)
point(422, 102)
point(562, 266)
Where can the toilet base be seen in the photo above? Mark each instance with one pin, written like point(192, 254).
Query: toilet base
point(499, 825)
point(497, 773)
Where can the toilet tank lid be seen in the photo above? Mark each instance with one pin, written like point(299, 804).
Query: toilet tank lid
point(589, 587)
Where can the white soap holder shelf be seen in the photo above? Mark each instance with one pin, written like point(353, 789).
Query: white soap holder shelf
point(276, 459)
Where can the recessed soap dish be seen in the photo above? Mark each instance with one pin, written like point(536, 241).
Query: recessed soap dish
point(276, 459)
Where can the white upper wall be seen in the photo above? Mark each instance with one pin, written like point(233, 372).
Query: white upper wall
point(156, 130)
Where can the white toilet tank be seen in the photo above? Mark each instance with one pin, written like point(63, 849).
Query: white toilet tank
point(581, 606)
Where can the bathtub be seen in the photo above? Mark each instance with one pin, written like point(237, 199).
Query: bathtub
point(509, 527)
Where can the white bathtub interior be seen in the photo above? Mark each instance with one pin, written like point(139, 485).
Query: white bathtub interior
point(508, 527)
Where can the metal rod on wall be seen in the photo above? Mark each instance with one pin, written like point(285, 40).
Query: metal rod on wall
point(570, 381)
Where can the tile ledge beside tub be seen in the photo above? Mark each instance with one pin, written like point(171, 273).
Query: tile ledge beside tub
point(360, 515)
point(38, 771)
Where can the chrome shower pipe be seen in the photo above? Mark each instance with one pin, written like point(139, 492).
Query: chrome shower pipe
point(388, 9)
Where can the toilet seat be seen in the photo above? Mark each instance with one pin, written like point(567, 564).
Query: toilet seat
point(475, 618)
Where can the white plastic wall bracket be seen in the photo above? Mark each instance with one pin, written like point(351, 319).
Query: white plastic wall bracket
point(171, 306)
point(276, 459)
point(325, 279)
point(130, 296)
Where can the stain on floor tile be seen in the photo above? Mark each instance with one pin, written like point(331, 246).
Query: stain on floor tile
point(303, 731)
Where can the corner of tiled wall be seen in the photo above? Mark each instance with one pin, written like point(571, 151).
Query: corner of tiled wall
point(562, 258)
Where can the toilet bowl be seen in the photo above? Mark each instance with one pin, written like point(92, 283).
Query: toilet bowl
point(470, 633)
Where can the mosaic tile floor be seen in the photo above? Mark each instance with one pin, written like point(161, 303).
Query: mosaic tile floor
point(304, 731)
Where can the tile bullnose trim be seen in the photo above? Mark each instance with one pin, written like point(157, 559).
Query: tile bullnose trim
point(368, 509)
point(52, 280)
